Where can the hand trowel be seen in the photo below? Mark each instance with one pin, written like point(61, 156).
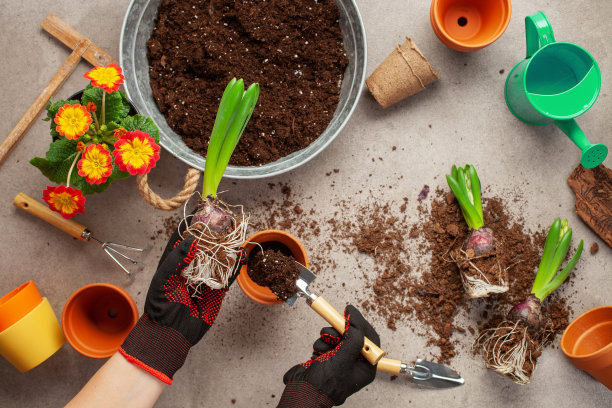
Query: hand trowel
point(425, 373)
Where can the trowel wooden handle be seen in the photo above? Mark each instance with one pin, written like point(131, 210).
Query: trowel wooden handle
point(370, 351)
point(29, 205)
point(390, 366)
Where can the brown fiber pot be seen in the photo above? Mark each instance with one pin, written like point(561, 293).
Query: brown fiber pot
point(97, 318)
point(587, 343)
point(262, 294)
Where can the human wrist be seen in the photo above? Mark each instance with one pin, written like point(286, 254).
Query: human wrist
point(160, 350)
point(302, 394)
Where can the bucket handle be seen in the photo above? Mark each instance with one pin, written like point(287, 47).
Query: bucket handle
point(538, 32)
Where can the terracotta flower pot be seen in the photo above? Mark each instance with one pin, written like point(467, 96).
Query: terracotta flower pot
point(97, 318)
point(18, 303)
point(469, 25)
point(262, 294)
point(587, 343)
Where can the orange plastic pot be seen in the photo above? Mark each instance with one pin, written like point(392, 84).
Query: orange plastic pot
point(97, 318)
point(587, 343)
point(262, 294)
point(18, 303)
point(469, 25)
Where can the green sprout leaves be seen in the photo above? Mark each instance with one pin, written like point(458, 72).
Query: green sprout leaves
point(465, 185)
point(235, 110)
point(557, 245)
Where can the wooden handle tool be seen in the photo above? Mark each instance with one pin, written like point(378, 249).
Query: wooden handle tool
point(29, 205)
point(370, 351)
point(70, 37)
point(42, 99)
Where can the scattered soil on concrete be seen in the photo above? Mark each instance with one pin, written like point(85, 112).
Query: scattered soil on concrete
point(594, 248)
point(275, 268)
point(294, 50)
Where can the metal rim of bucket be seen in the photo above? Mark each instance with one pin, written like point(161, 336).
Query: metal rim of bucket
point(173, 143)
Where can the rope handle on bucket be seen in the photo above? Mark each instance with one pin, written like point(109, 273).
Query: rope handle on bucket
point(192, 179)
point(538, 32)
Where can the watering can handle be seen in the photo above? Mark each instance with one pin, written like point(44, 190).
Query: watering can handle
point(538, 31)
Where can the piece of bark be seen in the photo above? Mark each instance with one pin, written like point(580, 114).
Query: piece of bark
point(593, 189)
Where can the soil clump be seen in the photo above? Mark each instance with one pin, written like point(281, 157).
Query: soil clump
point(274, 267)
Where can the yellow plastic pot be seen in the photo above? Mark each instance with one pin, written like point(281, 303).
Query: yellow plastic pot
point(33, 339)
point(18, 303)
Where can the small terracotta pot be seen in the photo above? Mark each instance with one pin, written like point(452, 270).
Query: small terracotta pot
point(469, 25)
point(18, 303)
point(262, 294)
point(97, 318)
point(587, 343)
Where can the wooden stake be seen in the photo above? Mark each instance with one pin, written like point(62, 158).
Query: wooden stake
point(70, 37)
point(42, 99)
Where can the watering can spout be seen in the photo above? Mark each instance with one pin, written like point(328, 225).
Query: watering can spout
point(592, 155)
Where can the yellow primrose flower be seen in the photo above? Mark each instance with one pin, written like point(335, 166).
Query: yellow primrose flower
point(136, 152)
point(96, 164)
point(72, 121)
point(108, 78)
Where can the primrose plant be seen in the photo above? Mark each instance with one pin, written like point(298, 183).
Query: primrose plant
point(95, 142)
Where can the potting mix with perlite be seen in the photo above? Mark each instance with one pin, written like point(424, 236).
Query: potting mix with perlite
point(294, 48)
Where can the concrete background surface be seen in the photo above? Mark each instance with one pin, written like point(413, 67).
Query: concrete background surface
point(247, 352)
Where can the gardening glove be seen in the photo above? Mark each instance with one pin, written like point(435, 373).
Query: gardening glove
point(336, 369)
point(175, 318)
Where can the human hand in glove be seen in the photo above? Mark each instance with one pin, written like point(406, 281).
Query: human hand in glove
point(336, 369)
point(174, 317)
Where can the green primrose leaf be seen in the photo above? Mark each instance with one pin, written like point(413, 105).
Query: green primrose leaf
point(115, 110)
point(56, 172)
point(144, 124)
point(61, 149)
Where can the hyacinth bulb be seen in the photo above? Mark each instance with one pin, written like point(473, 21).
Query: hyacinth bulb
point(481, 241)
point(210, 213)
point(529, 312)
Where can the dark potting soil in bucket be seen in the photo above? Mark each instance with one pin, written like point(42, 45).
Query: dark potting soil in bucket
point(275, 268)
point(293, 49)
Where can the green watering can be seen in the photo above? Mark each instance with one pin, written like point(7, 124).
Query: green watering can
point(557, 82)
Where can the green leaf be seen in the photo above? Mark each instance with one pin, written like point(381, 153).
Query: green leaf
point(475, 184)
point(230, 100)
point(114, 104)
point(52, 109)
point(561, 276)
point(139, 122)
point(470, 215)
point(239, 121)
point(57, 172)
point(61, 149)
point(544, 273)
point(126, 104)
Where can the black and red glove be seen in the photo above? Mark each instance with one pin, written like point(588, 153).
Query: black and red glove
point(174, 318)
point(336, 369)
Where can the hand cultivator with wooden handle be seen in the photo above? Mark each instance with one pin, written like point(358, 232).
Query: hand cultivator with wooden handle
point(423, 372)
point(73, 228)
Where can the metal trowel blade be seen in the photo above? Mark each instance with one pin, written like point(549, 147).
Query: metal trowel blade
point(305, 279)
